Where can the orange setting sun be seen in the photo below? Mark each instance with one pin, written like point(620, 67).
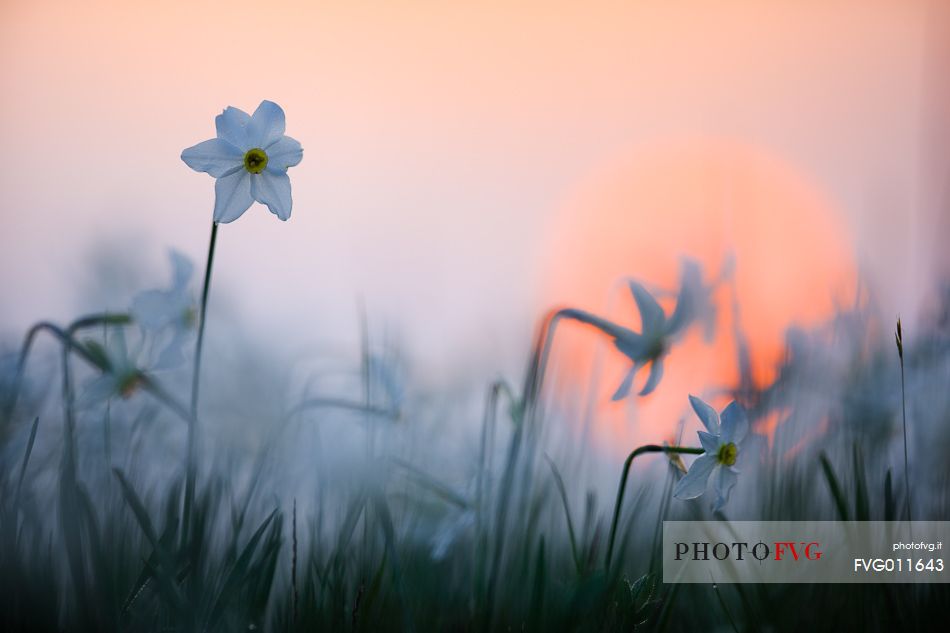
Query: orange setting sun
point(709, 200)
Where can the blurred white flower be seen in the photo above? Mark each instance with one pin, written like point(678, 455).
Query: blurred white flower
point(170, 314)
point(694, 300)
point(450, 531)
point(120, 375)
point(651, 345)
point(722, 443)
point(249, 158)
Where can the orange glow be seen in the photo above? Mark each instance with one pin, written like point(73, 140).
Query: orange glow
point(768, 424)
point(702, 199)
point(810, 436)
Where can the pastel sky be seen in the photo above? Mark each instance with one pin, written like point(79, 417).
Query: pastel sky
point(449, 149)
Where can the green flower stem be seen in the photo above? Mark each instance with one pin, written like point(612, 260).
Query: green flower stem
point(523, 413)
point(69, 442)
point(191, 465)
point(489, 419)
point(541, 351)
point(342, 405)
point(92, 320)
point(648, 448)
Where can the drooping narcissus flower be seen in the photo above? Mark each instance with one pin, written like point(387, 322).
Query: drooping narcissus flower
point(121, 375)
point(169, 315)
point(722, 444)
point(166, 318)
point(249, 159)
point(650, 346)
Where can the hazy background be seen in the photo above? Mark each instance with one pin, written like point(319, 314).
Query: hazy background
point(452, 151)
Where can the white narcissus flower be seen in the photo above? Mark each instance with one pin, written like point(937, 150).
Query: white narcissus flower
point(169, 315)
point(721, 444)
point(659, 332)
point(121, 375)
point(249, 158)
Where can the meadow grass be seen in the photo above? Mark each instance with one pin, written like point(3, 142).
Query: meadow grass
point(338, 514)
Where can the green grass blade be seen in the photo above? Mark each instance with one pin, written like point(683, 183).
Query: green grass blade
point(861, 504)
point(237, 574)
point(537, 592)
point(890, 505)
point(562, 491)
point(164, 572)
point(389, 535)
point(26, 462)
point(835, 487)
point(427, 481)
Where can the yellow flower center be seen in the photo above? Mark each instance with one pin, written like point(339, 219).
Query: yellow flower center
point(128, 383)
point(255, 160)
point(656, 348)
point(727, 454)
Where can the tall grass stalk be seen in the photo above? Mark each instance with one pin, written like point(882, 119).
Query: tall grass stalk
point(899, 339)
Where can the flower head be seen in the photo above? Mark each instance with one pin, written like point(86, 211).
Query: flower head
point(120, 375)
point(722, 442)
point(169, 314)
point(249, 158)
point(650, 346)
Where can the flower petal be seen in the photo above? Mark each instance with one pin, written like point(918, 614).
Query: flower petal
point(725, 480)
point(707, 415)
point(214, 156)
point(273, 189)
point(625, 385)
point(656, 373)
point(182, 269)
point(118, 352)
point(232, 196)
point(651, 314)
point(735, 424)
point(153, 309)
point(266, 125)
point(694, 483)
point(710, 442)
point(633, 346)
point(689, 297)
point(231, 127)
point(172, 355)
point(284, 153)
point(98, 390)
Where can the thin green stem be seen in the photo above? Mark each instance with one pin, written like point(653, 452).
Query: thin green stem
point(202, 317)
point(67, 339)
point(648, 448)
point(489, 419)
point(900, 353)
point(65, 336)
point(191, 466)
point(93, 320)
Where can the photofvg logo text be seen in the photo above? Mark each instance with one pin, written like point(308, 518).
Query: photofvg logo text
point(804, 551)
point(794, 551)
